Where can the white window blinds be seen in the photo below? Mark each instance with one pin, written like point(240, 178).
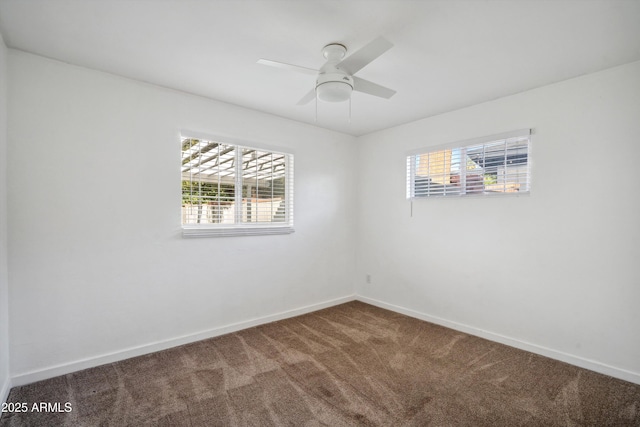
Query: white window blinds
point(229, 189)
point(485, 166)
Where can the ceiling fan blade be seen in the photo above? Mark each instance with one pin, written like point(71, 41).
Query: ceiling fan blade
point(289, 67)
point(362, 85)
point(360, 58)
point(311, 95)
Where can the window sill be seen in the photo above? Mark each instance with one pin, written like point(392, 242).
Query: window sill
point(471, 195)
point(204, 231)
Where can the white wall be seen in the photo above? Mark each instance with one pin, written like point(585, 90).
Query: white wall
point(97, 263)
point(557, 272)
point(4, 280)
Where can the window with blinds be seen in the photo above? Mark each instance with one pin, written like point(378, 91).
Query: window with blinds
point(486, 166)
point(229, 189)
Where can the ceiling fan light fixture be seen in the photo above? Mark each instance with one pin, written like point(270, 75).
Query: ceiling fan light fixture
point(335, 79)
point(334, 91)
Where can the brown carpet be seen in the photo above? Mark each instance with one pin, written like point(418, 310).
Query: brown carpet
point(349, 365)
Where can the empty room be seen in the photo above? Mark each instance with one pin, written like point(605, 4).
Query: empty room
point(319, 213)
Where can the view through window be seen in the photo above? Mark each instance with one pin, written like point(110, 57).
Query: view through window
point(227, 186)
point(497, 166)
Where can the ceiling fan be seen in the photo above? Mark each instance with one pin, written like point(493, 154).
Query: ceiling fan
point(335, 80)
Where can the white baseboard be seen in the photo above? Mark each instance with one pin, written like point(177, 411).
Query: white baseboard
point(62, 369)
point(592, 365)
point(4, 391)
point(66, 368)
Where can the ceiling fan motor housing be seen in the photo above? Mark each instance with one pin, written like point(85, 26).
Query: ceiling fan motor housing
point(334, 86)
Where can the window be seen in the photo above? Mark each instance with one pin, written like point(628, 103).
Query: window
point(492, 165)
point(230, 189)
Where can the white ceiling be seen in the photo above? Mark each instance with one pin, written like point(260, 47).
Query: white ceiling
point(447, 54)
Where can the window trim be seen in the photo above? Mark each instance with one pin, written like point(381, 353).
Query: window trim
point(245, 229)
point(234, 230)
point(410, 172)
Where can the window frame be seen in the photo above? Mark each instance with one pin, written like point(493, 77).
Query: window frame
point(411, 158)
point(243, 228)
